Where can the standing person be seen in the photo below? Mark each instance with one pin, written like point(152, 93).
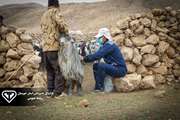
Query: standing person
point(1, 20)
point(114, 62)
point(52, 25)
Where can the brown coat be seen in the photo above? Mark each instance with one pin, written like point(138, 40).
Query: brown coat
point(52, 24)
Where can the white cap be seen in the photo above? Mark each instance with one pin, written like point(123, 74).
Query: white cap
point(104, 32)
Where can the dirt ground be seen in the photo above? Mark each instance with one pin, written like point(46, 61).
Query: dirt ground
point(142, 105)
point(138, 105)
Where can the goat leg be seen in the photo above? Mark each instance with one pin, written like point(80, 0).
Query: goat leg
point(79, 88)
point(69, 87)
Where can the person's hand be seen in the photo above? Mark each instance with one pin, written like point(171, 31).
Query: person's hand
point(82, 60)
point(86, 59)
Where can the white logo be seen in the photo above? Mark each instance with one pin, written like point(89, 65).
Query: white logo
point(9, 95)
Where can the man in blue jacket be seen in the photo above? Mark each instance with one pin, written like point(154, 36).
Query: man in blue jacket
point(114, 65)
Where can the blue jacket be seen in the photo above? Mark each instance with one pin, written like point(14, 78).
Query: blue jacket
point(111, 54)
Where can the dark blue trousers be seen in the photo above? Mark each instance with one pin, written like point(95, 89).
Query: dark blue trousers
point(101, 70)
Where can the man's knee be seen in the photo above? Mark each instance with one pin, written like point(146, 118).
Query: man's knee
point(101, 66)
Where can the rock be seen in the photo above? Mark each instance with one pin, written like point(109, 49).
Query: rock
point(153, 39)
point(146, 22)
point(163, 30)
point(170, 78)
point(148, 82)
point(160, 70)
point(12, 54)
point(137, 15)
point(20, 31)
point(25, 48)
point(3, 54)
point(160, 94)
point(123, 24)
point(157, 12)
point(4, 30)
point(148, 49)
point(129, 33)
point(147, 32)
point(33, 60)
point(29, 71)
point(134, 24)
point(154, 25)
point(176, 72)
point(177, 59)
point(12, 75)
point(39, 80)
point(12, 39)
point(168, 9)
point(162, 24)
point(127, 53)
point(11, 65)
point(163, 46)
point(167, 61)
point(129, 83)
point(119, 39)
point(84, 103)
point(149, 15)
point(23, 79)
point(137, 57)
point(2, 72)
point(139, 40)
point(2, 60)
point(115, 31)
point(176, 66)
point(131, 68)
point(128, 43)
point(4, 46)
point(141, 69)
point(163, 36)
point(139, 30)
point(177, 35)
point(159, 79)
point(157, 65)
point(149, 59)
point(26, 38)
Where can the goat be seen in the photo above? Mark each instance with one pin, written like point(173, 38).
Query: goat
point(70, 64)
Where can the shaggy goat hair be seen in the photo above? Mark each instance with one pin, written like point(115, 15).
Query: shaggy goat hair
point(70, 62)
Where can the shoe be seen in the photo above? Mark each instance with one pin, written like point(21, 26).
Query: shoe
point(60, 96)
point(98, 91)
point(63, 94)
point(49, 94)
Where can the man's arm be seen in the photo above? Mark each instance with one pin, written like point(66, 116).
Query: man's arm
point(63, 28)
point(106, 49)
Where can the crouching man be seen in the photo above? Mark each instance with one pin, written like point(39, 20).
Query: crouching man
point(114, 65)
point(52, 25)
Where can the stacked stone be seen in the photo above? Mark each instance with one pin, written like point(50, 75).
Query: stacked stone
point(15, 49)
point(150, 44)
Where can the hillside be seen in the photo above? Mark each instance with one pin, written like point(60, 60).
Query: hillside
point(82, 16)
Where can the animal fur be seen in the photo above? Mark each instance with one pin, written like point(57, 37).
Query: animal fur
point(71, 65)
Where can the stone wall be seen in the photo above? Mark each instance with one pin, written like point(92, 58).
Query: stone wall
point(15, 50)
point(150, 44)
